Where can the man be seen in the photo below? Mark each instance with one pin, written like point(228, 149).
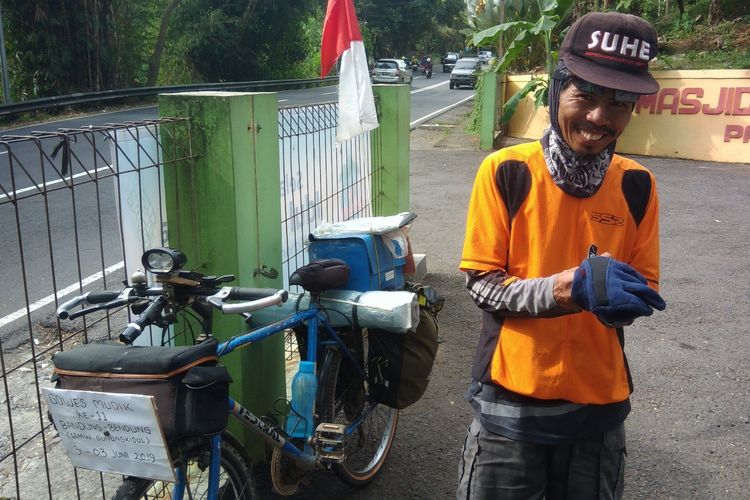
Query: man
point(561, 252)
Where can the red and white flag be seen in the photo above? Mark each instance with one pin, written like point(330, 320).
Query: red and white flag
point(342, 38)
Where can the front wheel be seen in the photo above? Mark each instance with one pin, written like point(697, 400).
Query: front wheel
point(345, 398)
point(193, 457)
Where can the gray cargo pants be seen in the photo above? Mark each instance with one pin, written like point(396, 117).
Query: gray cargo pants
point(498, 468)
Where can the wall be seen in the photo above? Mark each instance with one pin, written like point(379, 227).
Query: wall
point(699, 115)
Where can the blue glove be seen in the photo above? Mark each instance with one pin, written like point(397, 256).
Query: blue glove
point(614, 291)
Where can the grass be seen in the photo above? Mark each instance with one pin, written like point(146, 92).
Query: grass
point(692, 44)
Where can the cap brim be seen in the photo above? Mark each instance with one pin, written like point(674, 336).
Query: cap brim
point(638, 83)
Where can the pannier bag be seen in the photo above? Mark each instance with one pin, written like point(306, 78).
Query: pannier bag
point(400, 364)
point(190, 387)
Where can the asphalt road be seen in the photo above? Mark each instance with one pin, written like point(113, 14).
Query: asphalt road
point(689, 431)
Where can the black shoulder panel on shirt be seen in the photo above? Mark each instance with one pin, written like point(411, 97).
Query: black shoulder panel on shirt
point(636, 186)
point(514, 182)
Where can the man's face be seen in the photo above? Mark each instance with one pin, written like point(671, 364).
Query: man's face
point(591, 121)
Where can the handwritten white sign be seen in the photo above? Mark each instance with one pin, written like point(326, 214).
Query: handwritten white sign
point(118, 433)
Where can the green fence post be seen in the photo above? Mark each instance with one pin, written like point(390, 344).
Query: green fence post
point(488, 118)
point(390, 150)
point(224, 212)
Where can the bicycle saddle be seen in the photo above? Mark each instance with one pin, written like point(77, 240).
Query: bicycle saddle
point(321, 274)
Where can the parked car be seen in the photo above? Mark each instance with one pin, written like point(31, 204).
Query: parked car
point(392, 71)
point(465, 72)
point(449, 60)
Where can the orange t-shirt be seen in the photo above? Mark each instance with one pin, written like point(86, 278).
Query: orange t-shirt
point(521, 222)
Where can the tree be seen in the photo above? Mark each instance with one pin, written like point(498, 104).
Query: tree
point(550, 13)
point(58, 47)
point(238, 40)
point(155, 60)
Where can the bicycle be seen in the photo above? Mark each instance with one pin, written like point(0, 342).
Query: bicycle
point(349, 432)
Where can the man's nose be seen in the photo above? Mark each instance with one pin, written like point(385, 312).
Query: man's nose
point(598, 114)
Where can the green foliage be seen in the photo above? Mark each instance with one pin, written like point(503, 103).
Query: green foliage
point(526, 32)
point(533, 85)
point(241, 40)
point(57, 48)
point(396, 29)
point(474, 123)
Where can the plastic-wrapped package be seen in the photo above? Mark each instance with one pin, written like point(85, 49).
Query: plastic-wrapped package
point(367, 225)
point(395, 311)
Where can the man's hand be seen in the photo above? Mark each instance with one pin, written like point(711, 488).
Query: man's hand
point(562, 290)
point(613, 290)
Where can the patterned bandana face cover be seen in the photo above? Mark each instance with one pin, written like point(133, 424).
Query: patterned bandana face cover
point(576, 174)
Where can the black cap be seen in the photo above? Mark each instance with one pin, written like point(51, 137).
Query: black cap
point(612, 50)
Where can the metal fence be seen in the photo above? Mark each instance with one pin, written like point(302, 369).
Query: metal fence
point(63, 213)
point(76, 206)
point(322, 180)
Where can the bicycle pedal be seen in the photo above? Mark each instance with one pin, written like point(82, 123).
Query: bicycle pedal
point(328, 441)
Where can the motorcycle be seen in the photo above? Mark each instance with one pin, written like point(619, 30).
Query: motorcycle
point(428, 73)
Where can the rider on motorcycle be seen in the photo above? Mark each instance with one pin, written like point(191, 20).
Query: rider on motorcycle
point(428, 67)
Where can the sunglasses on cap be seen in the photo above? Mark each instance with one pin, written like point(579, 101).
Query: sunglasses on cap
point(592, 88)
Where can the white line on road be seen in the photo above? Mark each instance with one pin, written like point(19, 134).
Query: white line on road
point(428, 88)
point(51, 183)
point(418, 122)
point(62, 293)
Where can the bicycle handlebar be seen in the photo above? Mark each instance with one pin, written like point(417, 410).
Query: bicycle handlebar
point(102, 297)
point(134, 329)
point(256, 298)
point(278, 297)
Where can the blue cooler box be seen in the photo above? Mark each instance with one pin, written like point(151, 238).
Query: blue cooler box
point(373, 266)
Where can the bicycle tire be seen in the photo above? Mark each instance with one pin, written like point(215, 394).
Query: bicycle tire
point(344, 395)
point(236, 478)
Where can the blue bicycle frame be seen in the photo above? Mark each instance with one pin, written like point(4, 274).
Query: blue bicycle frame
point(304, 458)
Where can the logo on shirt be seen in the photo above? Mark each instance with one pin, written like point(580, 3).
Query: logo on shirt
point(608, 219)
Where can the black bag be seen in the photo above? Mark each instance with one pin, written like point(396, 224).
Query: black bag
point(400, 364)
point(190, 387)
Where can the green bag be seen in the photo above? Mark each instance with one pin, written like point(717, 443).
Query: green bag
point(400, 364)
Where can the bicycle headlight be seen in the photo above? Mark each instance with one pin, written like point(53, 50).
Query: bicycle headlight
point(163, 260)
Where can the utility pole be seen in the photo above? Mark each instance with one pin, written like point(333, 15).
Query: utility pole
point(4, 63)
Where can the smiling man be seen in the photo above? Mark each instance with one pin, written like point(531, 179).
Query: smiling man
point(561, 252)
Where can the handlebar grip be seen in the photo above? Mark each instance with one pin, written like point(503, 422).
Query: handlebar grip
point(279, 297)
point(243, 293)
point(134, 329)
point(62, 311)
point(102, 296)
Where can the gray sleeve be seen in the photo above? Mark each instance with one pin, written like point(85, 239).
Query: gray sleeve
point(497, 292)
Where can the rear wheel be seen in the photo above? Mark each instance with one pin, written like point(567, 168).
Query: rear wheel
point(193, 456)
point(345, 398)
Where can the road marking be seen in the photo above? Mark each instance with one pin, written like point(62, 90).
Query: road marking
point(62, 293)
point(418, 122)
point(50, 183)
point(428, 88)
